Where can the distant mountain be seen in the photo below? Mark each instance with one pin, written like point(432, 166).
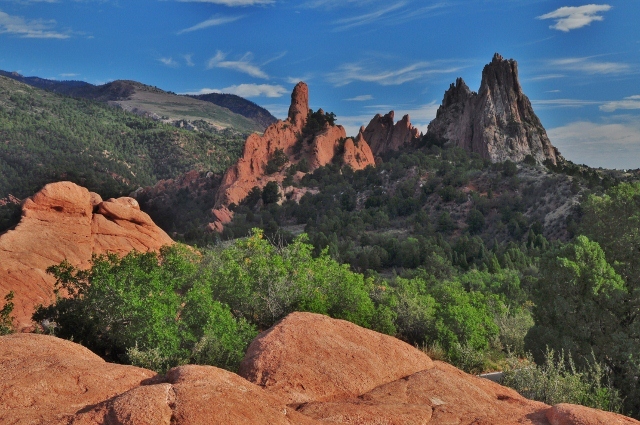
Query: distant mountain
point(241, 106)
point(152, 102)
point(47, 137)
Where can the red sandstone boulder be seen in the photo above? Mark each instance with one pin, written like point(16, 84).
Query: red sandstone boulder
point(46, 379)
point(58, 223)
point(194, 395)
point(310, 357)
point(385, 136)
point(570, 414)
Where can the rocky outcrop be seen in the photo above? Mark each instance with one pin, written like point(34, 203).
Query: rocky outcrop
point(498, 122)
point(306, 370)
point(317, 149)
point(310, 357)
point(66, 221)
point(384, 136)
point(46, 379)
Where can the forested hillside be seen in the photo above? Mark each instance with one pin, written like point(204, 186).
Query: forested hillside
point(46, 137)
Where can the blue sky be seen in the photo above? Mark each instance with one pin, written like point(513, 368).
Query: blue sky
point(579, 62)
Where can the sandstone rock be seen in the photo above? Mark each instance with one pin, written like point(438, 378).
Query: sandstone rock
point(46, 379)
point(383, 136)
point(194, 395)
point(570, 414)
point(310, 357)
point(317, 149)
point(498, 122)
point(299, 107)
point(360, 412)
point(459, 398)
point(58, 223)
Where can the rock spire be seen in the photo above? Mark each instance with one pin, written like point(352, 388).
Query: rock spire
point(498, 122)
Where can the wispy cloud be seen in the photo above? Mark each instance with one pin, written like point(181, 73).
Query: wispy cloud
point(348, 73)
point(296, 80)
point(18, 26)
point(248, 90)
point(243, 64)
point(545, 77)
point(393, 14)
point(573, 17)
point(360, 98)
point(188, 59)
point(169, 62)
point(231, 3)
point(590, 66)
point(69, 75)
point(631, 102)
point(563, 103)
point(610, 144)
point(215, 20)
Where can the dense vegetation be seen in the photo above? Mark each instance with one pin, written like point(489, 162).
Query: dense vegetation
point(46, 137)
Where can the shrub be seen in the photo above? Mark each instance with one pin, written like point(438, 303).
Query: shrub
point(6, 321)
point(557, 380)
point(153, 310)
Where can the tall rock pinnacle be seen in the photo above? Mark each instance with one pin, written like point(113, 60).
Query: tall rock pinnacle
point(299, 107)
point(498, 122)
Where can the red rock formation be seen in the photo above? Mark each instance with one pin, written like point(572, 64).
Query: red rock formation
point(498, 122)
point(310, 357)
point(311, 370)
point(58, 223)
point(46, 379)
point(317, 149)
point(194, 395)
point(383, 136)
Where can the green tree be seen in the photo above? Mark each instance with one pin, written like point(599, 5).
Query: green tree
point(6, 321)
point(154, 310)
point(271, 193)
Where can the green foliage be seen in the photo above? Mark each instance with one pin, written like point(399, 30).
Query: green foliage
point(152, 310)
point(263, 283)
point(317, 120)
point(558, 380)
point(276, 162)
point(6, 321)
point(271, 193)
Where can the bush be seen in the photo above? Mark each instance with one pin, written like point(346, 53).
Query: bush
point(152, 310)
point(6, 321)
point(558, 381)
point(271, 193)
point(276, 162)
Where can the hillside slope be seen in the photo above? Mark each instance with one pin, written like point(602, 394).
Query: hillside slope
point(46, 137)
point(240, 106)
point(151, 102)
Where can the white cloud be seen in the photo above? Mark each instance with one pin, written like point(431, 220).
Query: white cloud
point(608, 145)
point(243, 65)
point(360, 98)
point(393, 14)
point(22, 28)
point(231, 3)
point(188, 59)
point(169, 62)
point(248, 90)
point(545, 77)
point(631, 102)
point(348, 73)
point(573, 17)
point(563, 103)
point(589, 66)
point(211, 22)
point(69, 75)
point(296, 80)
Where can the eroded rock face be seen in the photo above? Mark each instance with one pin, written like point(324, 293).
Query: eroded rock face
point(310, 357)
point(46, 379)
point(384, 136)
point(498, 122)
point(570, 414)
point(317, 150)
point(59, 223)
